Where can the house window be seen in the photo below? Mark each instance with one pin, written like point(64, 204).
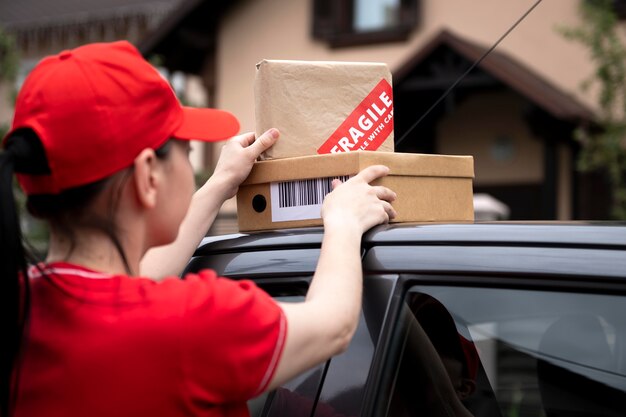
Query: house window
point(354, 22)
point(372, 15)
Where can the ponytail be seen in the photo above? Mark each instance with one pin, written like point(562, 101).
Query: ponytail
point(23, 153)
point(13, 282)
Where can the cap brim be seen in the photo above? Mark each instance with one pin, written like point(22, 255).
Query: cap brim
point(208, 125)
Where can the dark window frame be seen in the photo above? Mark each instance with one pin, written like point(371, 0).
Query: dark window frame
point(619, 6)
point(333, 22)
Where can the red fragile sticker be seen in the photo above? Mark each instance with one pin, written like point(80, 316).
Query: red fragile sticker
point(368, 126)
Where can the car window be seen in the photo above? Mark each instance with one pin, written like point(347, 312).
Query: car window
point(506, 352)
point(344, 384)
point(298, 396)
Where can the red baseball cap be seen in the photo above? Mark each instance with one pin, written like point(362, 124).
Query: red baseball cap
point(96, 107)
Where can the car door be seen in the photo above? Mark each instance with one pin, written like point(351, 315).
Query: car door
point(501, 331)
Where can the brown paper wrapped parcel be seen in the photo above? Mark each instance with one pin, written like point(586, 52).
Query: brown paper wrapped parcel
point(324, 107)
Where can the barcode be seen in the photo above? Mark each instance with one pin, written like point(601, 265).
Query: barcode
point(305, 192)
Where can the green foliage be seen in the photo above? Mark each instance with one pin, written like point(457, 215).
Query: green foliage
point(9, 60)
point(35, 231)
point(604, 147)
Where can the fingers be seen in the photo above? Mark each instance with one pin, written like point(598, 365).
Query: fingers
point(245, 139)
point(384, 193)
point(369, 174)
point(264, 142)
point(384, 209)
point(373, 172)
point(391, 212)
point(386, 196)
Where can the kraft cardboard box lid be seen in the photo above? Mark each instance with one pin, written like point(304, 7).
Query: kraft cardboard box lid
point(350, 163)
point(317, 104)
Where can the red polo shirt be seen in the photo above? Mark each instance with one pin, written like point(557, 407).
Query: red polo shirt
point(104, 345)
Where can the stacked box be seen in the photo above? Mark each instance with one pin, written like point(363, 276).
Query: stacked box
point(286, 193)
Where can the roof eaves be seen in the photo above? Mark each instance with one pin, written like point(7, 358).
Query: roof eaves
point(510, 72)
point(82, 17)
point(150, 42)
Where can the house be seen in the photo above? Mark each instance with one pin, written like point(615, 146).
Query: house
point(515, 113)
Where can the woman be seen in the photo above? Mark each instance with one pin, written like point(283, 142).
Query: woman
point(100, 146)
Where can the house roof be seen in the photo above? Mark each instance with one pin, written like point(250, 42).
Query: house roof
point(507, 70)
point(17, 14)
point(187, 36)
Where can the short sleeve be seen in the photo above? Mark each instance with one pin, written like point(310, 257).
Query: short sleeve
point(233, 337)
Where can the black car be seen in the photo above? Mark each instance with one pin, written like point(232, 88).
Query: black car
point(534, 313)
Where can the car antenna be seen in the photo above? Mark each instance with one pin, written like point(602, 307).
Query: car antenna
point(470, 69)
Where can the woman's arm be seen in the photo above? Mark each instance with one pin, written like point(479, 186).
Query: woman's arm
point(236, 160)
point(325, 322)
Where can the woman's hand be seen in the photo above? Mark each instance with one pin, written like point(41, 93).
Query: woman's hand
point(238, 156)
point(358, 204)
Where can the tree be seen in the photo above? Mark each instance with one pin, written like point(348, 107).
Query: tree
point(9, 60)
point(35, 231)
point(604, 145)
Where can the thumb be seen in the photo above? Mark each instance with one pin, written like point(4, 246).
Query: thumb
point(264, 142)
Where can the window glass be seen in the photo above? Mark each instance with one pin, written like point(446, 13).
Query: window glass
point(297, 396)
point(344, 23)
point(504, 352)
point(342, 393)
point(371, 15)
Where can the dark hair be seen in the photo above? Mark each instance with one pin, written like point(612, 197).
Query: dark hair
point(21, 154)
point(24, 153)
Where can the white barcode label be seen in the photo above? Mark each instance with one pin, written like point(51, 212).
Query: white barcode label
point(300, 200)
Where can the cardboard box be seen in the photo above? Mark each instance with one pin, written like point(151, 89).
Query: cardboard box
point(322, 107)
point(286, 193)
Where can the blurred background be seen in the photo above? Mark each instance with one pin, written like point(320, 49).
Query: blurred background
point(542, 115)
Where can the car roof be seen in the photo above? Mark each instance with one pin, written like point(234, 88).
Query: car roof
point(553, 234)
